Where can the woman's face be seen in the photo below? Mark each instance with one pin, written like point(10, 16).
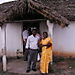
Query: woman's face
point(45, 35)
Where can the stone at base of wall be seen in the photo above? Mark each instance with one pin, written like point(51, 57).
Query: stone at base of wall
point(0, 66)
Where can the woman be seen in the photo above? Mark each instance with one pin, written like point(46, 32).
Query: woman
point(46, 55)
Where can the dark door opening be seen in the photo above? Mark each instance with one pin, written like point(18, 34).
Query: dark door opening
point(29, 26)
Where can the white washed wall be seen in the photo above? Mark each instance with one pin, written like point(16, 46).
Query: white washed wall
point(46, 27)
point(43, 27)
point(13, 38)
point(63, 39)
point(0, 41)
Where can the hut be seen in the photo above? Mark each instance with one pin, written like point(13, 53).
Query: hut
point(52, 16)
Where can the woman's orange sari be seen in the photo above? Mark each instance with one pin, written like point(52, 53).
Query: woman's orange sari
point(46, 55)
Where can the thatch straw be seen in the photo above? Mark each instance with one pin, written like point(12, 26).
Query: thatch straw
point(18, 10)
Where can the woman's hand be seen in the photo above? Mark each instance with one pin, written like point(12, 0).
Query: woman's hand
point(49, 45)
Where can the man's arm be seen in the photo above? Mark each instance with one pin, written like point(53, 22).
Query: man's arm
point(27, 43)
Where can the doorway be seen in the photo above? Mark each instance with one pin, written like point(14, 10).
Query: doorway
point(29, 26)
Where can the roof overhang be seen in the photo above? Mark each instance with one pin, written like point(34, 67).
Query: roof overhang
point(52, 15)
point(1, 23)
point(30, 20)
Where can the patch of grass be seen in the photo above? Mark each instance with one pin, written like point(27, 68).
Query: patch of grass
point(72, 73)
point(71, 62)
point(1, 72)
point(58, 59)
point(71, 59)
point(72, 65)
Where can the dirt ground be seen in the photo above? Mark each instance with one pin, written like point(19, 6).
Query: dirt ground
point(61, 66)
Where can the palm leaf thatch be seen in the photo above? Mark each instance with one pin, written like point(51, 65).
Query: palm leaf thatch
point(52, 15)
point(12, 10)
point(22, 9)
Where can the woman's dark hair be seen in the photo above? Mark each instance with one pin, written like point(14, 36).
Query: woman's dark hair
point(45, 33)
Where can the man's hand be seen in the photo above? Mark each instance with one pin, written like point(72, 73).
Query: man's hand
point(25, 40)
point(49, 45)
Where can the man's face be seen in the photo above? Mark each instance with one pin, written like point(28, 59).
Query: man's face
point(34, 32)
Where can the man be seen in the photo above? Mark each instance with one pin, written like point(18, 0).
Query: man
point(25, 36)
point(32, 44)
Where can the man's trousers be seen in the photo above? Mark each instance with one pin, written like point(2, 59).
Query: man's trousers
point(32, 58)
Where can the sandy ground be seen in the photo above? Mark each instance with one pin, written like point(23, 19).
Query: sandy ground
point(60, 67)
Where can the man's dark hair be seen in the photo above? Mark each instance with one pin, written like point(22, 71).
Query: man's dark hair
point(34, 30)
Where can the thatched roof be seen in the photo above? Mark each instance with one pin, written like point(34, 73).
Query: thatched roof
point(64, 7)
point(57, 11)
point(11, 10)
point(46, 11)
point(16, 10)
point(4, 10)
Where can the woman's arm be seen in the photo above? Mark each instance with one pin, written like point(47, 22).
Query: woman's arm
point(49, 45)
